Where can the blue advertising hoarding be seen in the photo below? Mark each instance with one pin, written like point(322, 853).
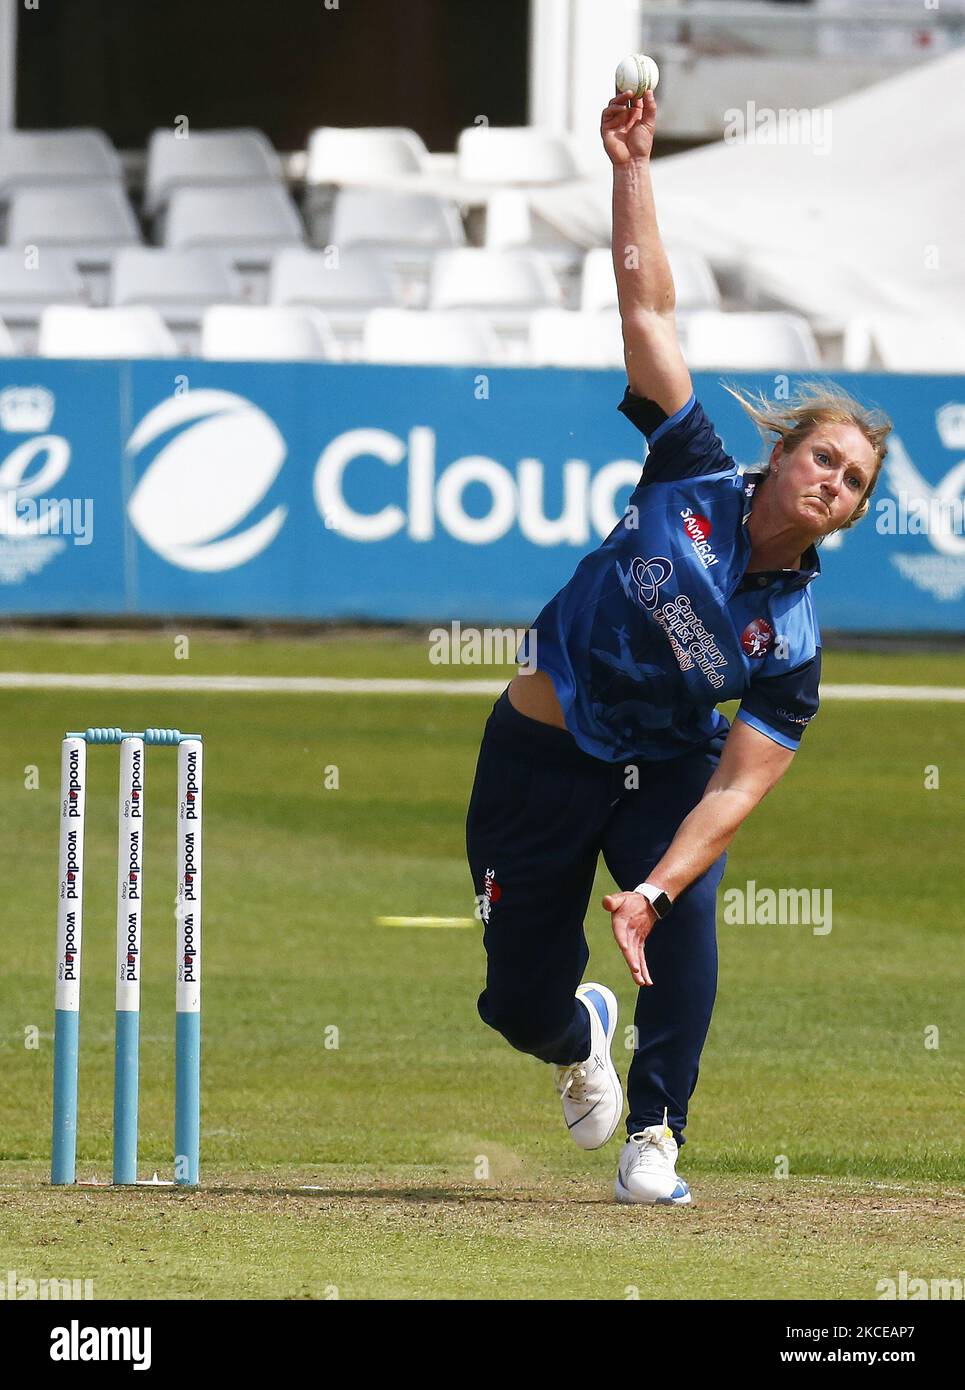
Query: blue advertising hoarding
point(318, 491)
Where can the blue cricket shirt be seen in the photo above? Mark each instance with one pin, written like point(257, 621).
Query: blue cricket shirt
point(660, 623)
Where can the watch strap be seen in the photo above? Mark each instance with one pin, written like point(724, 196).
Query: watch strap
point(659, 900)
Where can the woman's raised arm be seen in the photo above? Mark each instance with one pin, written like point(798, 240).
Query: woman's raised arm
point(645, 290)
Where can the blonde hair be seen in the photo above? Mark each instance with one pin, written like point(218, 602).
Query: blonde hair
point(816, 403)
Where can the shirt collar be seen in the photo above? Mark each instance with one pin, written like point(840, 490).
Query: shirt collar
point(810, 569)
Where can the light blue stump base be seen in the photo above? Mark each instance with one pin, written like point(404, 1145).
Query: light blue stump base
point(64, 1147)
point(127, 1031)
point(187, 1099)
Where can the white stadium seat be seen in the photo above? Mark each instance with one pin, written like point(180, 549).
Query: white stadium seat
point(693, 279)
point(904, 343)
point(180, 285)
point(175, 282)
point(857, 349)
point(69, 331)
point(474, 278)
point(207, 158)
point(511, 224)
point(504, 285)
point(25, 291)
point(748, 341)
point(252, 220)
point(338, 154)
point(246, 226)
point(89, 220)
point(421, 336)
point(569, 338)
point(261, 333)
point(56, 156)
point(599, 287)
point(356, 279)
point(515, 154)
point(509, 221)
point(87, 217)
point(408, 227)
point(344, 286)
point(376, 217)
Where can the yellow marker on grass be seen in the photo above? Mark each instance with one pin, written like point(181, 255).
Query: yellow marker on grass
point(425, 921)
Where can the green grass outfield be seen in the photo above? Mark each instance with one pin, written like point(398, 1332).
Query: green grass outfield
point(439, 1164)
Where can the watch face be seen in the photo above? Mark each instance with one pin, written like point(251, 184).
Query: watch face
point(661, 904)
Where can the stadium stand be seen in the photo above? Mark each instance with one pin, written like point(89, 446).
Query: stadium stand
point(749, 341)
point(252, 221)
point(344, 284)
point(238, 332)
point(88, 221)
point(32, 157)
point(208, 159)
point(27, 287)
point(499, 244)
point(905, 343)
point(427, 336)
point(246, 226)
point(693, 280)
point(408, 227)
point(511, 224)
point(78, 331)
point(338, 157)
point(514, 154)
point(504, 285)
point(570, 338)
point(179, 284)
point(374, 217)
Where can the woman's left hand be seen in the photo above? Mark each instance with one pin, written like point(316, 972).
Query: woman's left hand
point(633, 921)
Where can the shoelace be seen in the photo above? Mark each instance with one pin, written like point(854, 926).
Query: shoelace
point(646, 1139)
point(571, 1082)
point(657, 1137)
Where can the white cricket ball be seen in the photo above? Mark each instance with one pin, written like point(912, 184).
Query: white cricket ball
point(637, 74)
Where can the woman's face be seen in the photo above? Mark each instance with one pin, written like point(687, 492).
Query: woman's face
point(819, 484)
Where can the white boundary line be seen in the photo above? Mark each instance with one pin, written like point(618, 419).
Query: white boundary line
point(339, 685)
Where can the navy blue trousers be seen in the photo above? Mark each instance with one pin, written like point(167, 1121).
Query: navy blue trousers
point(541, 813)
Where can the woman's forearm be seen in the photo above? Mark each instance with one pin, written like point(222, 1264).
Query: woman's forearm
point(702, 838)
point(644, 279)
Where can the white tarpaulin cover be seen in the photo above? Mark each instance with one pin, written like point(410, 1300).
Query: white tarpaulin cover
point(858, 211)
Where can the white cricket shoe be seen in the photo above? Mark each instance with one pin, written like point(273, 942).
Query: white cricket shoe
point(591, 1092)
point(647, 1171)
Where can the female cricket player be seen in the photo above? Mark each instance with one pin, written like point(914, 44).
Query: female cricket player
point(613, 742)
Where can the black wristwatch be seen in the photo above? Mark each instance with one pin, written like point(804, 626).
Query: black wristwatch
point(657, 898)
